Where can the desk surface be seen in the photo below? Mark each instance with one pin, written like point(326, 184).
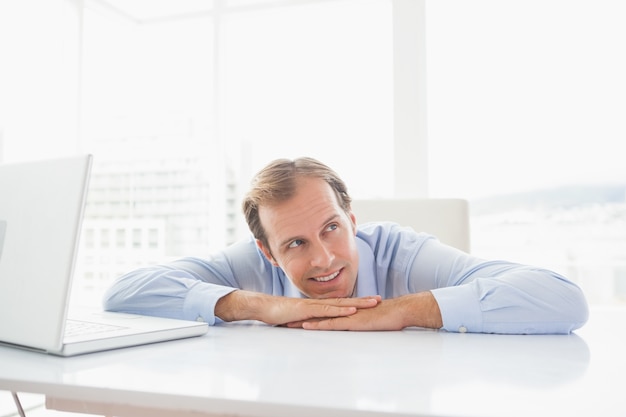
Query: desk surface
point(257, 370)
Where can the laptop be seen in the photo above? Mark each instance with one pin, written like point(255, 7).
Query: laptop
point(41, 211)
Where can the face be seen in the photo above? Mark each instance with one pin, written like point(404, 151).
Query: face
point(313, 240)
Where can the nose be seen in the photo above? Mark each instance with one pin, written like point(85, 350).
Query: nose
point(321, 255)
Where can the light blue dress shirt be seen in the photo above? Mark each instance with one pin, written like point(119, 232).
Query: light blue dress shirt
point(474, 295)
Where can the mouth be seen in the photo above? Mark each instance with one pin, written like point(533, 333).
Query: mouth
point(327, 278)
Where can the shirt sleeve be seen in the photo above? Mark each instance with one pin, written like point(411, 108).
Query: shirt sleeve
point(481, 296)
point(189, 288)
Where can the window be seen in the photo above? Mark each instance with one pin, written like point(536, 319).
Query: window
point(182, 102)
point(137, 238)
point(525, 104)
point(153, 238)
point(104, 238)
point(291, 88)
point(120, 236)
point(38, 89)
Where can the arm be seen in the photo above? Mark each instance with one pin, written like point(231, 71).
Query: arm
point(186, 289)
point(515, 299)
point(442, 287)
point(237, 284)
point(481, 296)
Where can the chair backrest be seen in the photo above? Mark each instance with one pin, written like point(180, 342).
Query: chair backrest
point(445, 218)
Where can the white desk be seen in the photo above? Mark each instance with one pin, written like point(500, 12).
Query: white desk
point(256, 370)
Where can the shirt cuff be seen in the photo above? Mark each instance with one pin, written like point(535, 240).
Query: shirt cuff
point(460, 308)
point(200, 302)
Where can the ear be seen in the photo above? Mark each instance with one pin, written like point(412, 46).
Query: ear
point(353, 221)
point(266, 252)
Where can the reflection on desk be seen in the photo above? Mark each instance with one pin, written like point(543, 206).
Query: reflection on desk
point(258, 370)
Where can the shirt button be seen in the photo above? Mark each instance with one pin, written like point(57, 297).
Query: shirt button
point(462, 329)
point(200, 319)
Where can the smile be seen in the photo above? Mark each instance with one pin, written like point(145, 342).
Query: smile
point(327, 277)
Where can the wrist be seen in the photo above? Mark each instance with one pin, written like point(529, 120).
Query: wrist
point(422, 310)
point(239, 305)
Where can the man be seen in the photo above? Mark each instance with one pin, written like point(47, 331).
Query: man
point(308, 265)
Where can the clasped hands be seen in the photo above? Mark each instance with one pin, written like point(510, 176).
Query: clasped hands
point(363, 313)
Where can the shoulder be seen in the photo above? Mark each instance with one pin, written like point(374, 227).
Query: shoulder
point(240, 259)
point(389, 230)
point(386, 236)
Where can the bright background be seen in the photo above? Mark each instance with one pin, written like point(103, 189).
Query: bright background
point(517, 106)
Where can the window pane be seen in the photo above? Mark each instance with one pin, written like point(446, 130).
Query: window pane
point(313, 79)
point(148, 118)
point(526, 102)
point(179, 119)
point(39, 86)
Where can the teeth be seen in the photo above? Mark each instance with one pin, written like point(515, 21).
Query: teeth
point(326, 278)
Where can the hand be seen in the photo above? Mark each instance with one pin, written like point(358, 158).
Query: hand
point(276, 310)
point(419, 309)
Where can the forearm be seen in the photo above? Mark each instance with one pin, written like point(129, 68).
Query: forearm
point(496, 296)
point(420, 310)
point(135, 292)
point(521, 301)
point(240, 305)
point(166, 292)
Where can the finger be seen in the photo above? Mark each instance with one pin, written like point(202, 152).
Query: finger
point(298, 324)
point(327, 310)
point(367, 299)
point(335, 323)
point(361, 302)
point(372, 301)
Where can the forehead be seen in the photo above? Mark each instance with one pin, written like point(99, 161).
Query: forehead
point(313, 203)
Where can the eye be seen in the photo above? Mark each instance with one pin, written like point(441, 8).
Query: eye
point(296, 243)
point(331, 227)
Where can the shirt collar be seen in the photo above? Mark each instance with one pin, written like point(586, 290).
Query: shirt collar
point(366, 278)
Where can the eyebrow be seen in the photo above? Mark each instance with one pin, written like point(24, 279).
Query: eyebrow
point(291, 239)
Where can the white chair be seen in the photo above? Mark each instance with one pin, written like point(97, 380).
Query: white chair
point(445, 218)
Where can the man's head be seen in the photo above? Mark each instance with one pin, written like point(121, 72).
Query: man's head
point(299, 212)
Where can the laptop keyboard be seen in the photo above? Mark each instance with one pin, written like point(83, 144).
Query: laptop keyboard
point(83, 328)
